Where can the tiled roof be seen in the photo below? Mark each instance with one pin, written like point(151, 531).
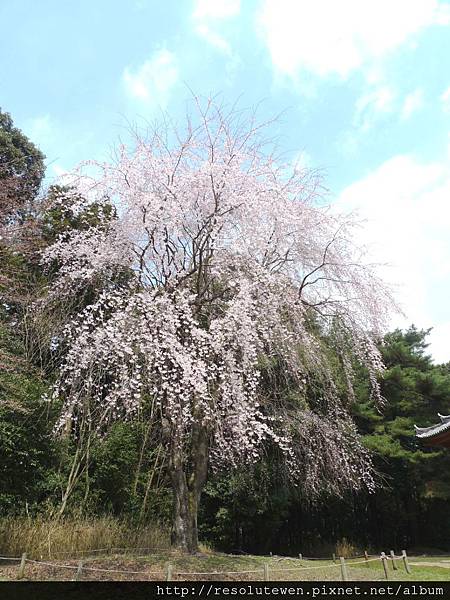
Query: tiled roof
point(428, 432)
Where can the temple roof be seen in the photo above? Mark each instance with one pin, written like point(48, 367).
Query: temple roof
point(438, 435)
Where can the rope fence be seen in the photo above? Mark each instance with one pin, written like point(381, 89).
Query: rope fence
point(266, 570)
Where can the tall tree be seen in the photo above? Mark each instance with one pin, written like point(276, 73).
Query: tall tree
point(21, 172)
point(231, 261)
point(25, 448)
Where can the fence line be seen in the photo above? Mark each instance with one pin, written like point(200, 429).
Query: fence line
point(59, 566)
point(222, 572)
point(364, 562)
point(111, 549)
point(47, 564)
point(181, 573)
point(263, 570)
point(327, 557)
point(120, 571)
point(168, 550)
point(299, 568)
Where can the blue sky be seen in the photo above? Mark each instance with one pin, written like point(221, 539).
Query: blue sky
point(363, 85)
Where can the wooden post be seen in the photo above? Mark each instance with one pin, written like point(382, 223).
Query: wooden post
point(343, 569)
point(79, 571)
point(394, 564)
point(300, 556)
point(22, 566)
point(405, 561)
point(270, 554)
point(169, 572)
point(266, 572)
point(384, 562)
point(334, 558)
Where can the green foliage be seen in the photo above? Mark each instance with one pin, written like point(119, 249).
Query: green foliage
point(113, 465)
point(61, 216)
point(27, 450)
point(245, 509)
point(21, 167)
point(122, 471)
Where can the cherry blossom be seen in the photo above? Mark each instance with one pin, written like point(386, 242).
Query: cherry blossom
point(230, 255)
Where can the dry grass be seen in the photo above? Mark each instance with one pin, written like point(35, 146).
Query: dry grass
point(56, 538)
point(346, 549)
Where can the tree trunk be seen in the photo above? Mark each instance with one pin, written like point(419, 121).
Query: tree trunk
point(184, 527)
point(187, 486)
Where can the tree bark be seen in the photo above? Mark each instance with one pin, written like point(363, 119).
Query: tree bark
point(187, 486)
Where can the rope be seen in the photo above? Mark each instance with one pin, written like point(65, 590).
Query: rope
point(56, 566)
point(10, 558)
point(120, 571)
point(108, 550)
point(278, 558)
point(99, 570)
point(223, 572)
point(143, 548)
point(82, 551)
point(328, 558)
point(363, 562)
point(299, 568)
point(39, 562)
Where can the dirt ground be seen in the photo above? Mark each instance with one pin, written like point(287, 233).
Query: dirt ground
point(101, 571)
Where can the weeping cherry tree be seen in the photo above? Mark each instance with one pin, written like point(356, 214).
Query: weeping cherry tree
point(229, 255)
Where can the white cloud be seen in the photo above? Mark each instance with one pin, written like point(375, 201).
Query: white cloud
point(213, 38)
point(208, 17)
point(407, 212)
point(218, 9)
point(412, 103)
point(445, 99)
point(382, 101)
point(153, 81)
point(378, 103)
point(439, 342)
point(373, 104)
point(328, 37)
